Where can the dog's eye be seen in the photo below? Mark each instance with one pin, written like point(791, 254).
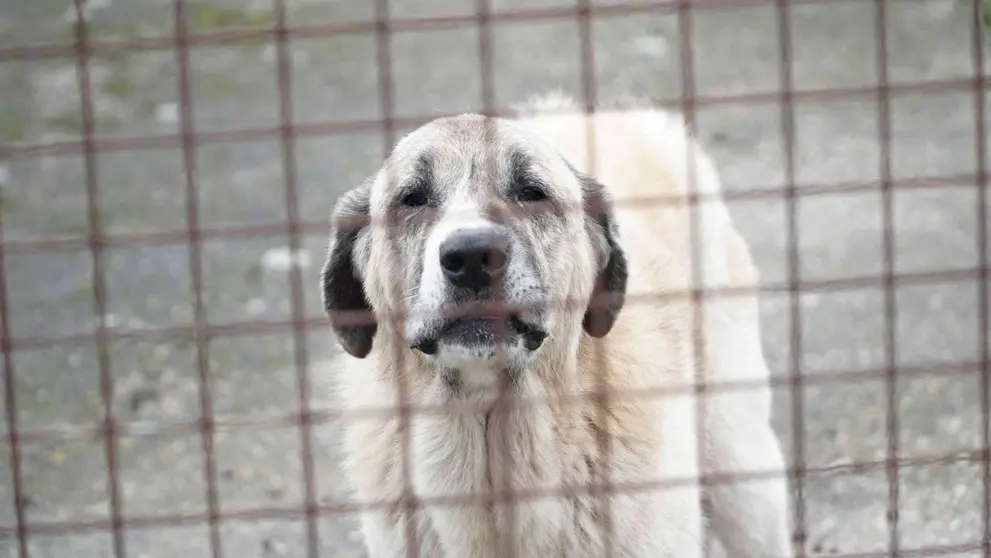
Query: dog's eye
point(414, 198)
point(530, 193)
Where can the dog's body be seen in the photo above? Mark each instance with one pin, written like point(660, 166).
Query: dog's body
point(546, 447)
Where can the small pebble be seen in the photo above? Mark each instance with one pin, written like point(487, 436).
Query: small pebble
point(141, 397)
point(167, 113)
point(283, 259)
point(954, 425)
point(255, 306)
point(258, 451)
point(273, 547)
point(269, 53)
point(112, 320)
point(651, 45)
point(811, 300)
point(160, 352)
point(57, 457)
point(298, 58)
point(172, 407)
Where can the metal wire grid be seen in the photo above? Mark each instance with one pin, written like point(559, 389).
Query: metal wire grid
point(383, 26)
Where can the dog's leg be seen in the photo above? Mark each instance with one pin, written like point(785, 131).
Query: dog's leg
point(749, 513)
point(677, 515)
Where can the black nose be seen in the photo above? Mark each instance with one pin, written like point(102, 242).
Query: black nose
point(474, 259)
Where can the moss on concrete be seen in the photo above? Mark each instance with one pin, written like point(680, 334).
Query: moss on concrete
point(203, 16)
point(14, 124)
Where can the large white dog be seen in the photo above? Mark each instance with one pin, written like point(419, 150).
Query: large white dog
point(598, 279)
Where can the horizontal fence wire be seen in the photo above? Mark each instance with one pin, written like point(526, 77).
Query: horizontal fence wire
point(797, 380)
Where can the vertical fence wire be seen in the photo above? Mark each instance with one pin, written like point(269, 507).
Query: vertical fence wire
point(503, 494)
point(284, 77)
point(794, 264)
point(187, 130)
point(892, 430)
point(10, 404)
point(408, 504)
point(602, 484)
point(96, 245)
point(984, 287)
point(698, 282)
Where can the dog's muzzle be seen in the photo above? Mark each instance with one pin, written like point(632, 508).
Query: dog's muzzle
point(474, 264)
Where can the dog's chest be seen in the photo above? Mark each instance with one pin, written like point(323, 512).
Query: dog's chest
point(506, 465)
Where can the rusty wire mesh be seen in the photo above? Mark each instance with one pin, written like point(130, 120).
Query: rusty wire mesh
point(289, 128)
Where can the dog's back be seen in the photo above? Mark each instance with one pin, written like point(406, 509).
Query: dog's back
point(675, 222)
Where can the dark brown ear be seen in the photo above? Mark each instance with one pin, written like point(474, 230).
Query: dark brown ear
point(609, 293)
point(344, 297)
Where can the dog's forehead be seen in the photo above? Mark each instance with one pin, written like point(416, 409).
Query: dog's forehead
point(453, 146)
point(446, 142)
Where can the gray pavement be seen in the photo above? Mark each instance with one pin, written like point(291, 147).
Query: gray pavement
point(735, 52)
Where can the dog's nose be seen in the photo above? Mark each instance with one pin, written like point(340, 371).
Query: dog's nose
point(474, 259)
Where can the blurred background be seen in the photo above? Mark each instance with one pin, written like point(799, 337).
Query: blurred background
point(52, 366)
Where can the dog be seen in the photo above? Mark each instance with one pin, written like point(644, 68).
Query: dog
point(560, 418)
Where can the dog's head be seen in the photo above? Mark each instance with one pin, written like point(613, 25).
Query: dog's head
point(484, 238)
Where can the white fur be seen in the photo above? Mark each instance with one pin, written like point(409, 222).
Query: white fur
point(638, 153)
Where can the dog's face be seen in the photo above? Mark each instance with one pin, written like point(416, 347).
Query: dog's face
point(485, 240)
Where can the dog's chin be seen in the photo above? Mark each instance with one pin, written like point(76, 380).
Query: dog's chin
point(476, 340)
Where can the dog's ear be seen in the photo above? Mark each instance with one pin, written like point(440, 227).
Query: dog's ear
point(344, 297)
point(609, 292)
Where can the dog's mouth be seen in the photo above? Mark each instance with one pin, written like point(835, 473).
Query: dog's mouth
point(482, 331)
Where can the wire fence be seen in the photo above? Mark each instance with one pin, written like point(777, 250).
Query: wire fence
point(932, 513)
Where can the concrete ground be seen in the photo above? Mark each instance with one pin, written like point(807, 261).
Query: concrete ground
point(735, 51)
